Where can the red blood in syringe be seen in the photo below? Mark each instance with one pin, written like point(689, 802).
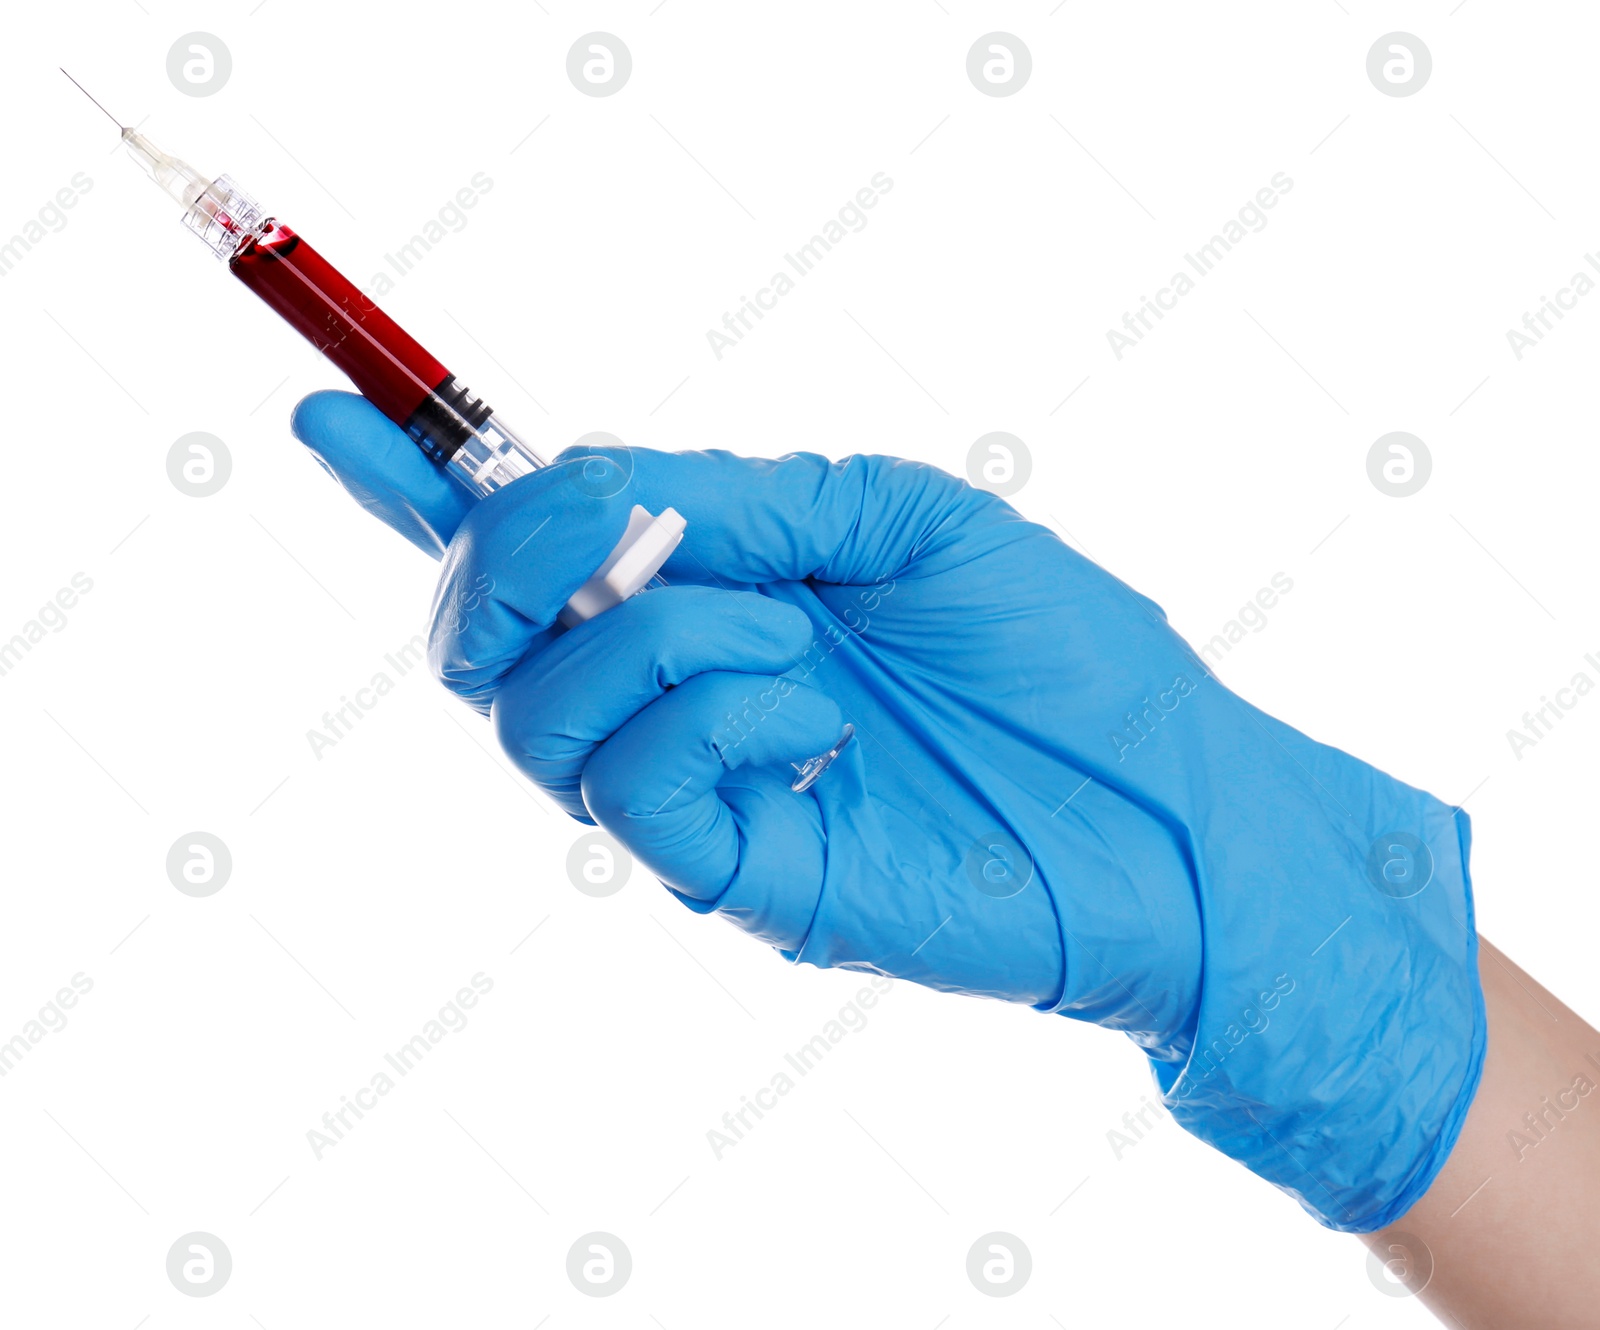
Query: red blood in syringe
point(384, 362)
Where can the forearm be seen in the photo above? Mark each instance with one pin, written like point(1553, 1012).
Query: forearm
point(1511, 1226)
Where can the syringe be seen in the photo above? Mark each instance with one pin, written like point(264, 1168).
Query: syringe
point(456, 429)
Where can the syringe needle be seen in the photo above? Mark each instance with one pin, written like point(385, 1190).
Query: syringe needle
point(87, 94)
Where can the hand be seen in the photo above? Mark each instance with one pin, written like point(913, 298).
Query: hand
point(888, 594)
point(1050, 799)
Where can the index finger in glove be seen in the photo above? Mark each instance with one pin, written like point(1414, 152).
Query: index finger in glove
point(380, 467)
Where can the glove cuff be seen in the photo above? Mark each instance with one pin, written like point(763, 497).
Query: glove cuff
point(1344, 1075)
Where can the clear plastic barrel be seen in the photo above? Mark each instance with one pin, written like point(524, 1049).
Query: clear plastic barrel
point(492, 456)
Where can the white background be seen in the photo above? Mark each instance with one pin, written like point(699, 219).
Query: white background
point(369, 885)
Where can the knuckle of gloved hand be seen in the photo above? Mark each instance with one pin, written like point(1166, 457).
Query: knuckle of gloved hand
point(605, 797)
point(469, 687)
point(474, 642)
point(529, 730)
point(552, 762)
point(474, 662)
point(618, 791)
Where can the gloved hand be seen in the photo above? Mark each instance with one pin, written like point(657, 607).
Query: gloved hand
point(1050, 798)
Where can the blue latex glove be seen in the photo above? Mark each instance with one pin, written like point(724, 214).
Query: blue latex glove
point(1050, 799)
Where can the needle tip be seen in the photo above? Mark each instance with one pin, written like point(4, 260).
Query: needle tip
point(86, 93)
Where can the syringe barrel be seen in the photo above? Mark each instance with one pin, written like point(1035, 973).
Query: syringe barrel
point(487, 453)
point(454, 427)
point(451, 424)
